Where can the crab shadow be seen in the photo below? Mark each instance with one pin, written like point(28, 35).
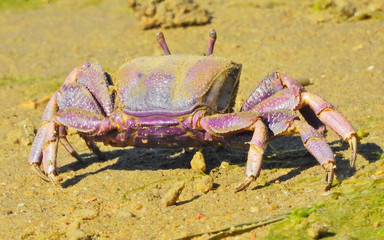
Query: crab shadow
point(285, 152)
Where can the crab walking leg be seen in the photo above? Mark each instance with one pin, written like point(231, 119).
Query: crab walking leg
point(306, 111)
point(50, 151)
point(257, 147)
point(318, 147)
point(93, 147)
point(36, 156)
point(334, 119)
point(223, 124)
point(44, 150)
point(311, 118)
point(64, 142)
point(86, 122)
point(43, 138)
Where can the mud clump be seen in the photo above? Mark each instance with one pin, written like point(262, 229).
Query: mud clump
point(172, 195)
point(350, 10)
point(168, 13)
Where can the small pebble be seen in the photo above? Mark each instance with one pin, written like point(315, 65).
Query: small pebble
point(139, 206)
point(274, 207)
point(90, 200)
point(198, 163)
point(224, 164)
point(254, 209)
point(370, 68)
point(304, 81)
point(361, 133)
point(75, 233)
point(200, 216)
point(316, 230)
point(173, 194)
point(7, 212)
point(204, 184)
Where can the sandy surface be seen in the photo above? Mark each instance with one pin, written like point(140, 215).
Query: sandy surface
point(121, 198)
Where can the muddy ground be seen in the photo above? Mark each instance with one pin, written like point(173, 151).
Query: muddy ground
point(340, 47)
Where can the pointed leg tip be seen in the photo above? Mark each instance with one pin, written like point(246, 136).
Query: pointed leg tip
point(330, 168)
point(352, 141)
point(247, 181)
point(36, 168)
point(328, 187)
point(54, 178)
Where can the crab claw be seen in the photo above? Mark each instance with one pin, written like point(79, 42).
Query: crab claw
point(247, 181)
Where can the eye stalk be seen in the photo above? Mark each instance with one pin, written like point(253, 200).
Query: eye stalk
point(211, 42)
point(163, 44)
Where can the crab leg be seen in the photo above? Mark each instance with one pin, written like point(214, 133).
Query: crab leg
point(318, 147)
point(255, 154)
point(163, 44)
point(67, 145)
point(35, 157)
point(223, 124)
point(93, 147)
point(43, 140)
point(312, 119)
point(334, 119)
point(74, 98)
point(50, 151)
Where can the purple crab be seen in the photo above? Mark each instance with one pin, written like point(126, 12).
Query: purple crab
point(184, 101)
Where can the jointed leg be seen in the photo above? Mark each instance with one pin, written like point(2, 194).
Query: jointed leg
point(257, 147)
point(53, 125)
point(224, 124)
point(318, 147)
point(93, 147)
point(312, 119)
point(67, 145)
point(44, 147)
point(44, 150)
point(334, 119)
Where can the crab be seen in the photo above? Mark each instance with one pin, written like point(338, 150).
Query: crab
point(184, 101)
